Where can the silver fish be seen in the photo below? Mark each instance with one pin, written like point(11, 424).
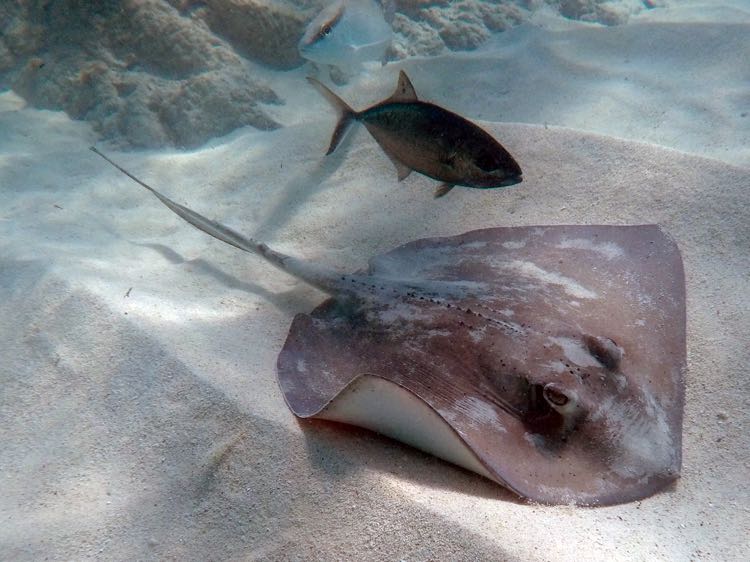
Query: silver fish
point(422, 136)
point(347, 33)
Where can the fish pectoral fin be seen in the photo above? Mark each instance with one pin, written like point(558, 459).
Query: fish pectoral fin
point(405, 91)
point(402, 169)
point(443, 189)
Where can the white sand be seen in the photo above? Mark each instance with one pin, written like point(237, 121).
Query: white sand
point(139, 412)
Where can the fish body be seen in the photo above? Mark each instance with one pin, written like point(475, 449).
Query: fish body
point(347, 33)
point(429, 139)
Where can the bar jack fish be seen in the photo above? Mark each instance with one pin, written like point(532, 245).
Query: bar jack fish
point(346, 34)
point(423, 137)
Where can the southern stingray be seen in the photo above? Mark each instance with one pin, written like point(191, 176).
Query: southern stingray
point(548, 359)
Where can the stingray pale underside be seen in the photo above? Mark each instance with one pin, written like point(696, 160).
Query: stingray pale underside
point(549, 359)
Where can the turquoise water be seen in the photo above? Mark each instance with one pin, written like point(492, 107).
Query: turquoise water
point(140, 415)
point(180, 74)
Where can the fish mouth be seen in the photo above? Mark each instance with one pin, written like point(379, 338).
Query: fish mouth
point(511, 180)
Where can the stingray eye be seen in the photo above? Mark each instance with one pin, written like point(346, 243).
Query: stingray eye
point(604, 350)
point(564, 401)
point(487, 162)
point(326, 30)
point(555, 397)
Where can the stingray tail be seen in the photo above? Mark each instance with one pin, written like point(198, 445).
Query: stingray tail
point(325, 279)
point(346, 114)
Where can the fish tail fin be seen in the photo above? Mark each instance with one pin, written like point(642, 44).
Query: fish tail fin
point(346, 114)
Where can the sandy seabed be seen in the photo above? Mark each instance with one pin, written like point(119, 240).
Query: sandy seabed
point(139, 412)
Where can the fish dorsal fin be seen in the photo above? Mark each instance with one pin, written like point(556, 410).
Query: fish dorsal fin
point(404, 90)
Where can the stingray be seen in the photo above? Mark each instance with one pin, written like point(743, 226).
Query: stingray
point(549, 359)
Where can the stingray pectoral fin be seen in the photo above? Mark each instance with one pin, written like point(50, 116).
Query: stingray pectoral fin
point(387, 408)
point(443, 189)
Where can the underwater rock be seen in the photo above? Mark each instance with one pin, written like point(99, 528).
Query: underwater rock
point(427, 27)
point(149, 73)
point(604, 11)
point(414, 38)
point(143, 74)
point(265, 31)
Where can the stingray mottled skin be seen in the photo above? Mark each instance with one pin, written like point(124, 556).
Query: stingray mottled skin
point(549, 359)
point(556, 353)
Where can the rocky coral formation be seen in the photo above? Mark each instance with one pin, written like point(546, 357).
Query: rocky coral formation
point(428, 27)
point(139, 70)
point(266, 31)
point(179, 72)
point(606, 12)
